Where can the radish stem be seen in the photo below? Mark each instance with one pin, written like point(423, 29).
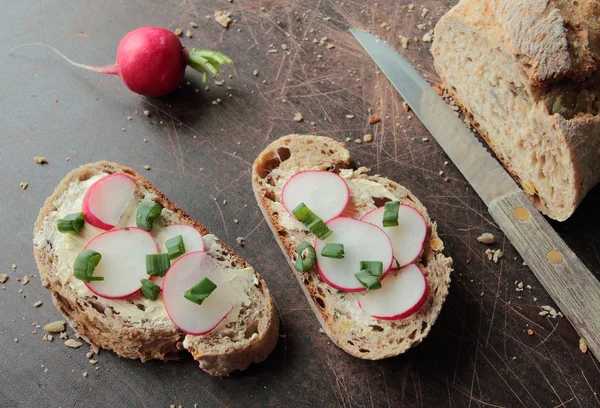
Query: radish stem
point(207, 62)
point(109, 70)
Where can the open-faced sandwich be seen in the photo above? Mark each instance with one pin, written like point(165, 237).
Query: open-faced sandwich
point(133, 273)
point(363, 248)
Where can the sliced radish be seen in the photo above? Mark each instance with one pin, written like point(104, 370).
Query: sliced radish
point(403, 294)
point(408, 237)
point(325, 193)
point(186, 272)
point(106, 199)
point(192, 239)
point(362, 242)
point(123, 263)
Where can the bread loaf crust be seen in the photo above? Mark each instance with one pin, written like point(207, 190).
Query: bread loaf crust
point(149, 340)
point(539, 74)
point(374, 339)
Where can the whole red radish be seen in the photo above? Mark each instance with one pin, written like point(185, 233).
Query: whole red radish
point(151, 61)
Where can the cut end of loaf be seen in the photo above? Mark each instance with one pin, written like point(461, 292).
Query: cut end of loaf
point(358, 334)
point(538, 132)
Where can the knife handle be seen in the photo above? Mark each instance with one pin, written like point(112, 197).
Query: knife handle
point(572, 286)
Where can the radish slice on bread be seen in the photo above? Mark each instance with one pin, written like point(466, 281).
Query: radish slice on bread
point(106, 199)
point(325, 193)
point(123, 263)
point(408, 237)
point(192, 239)
point(186, 272)
point(362, 242)
point(403, 294)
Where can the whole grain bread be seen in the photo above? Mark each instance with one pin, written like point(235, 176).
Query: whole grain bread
point(526, 74)
point(350, 329)
point(250, 338)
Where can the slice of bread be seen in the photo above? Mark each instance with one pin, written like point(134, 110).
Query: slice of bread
point(527, 75)
point(346, 325)
point(136, 327)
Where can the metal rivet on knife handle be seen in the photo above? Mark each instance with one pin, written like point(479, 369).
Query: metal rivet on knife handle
point(521, 214)
point(554, 256)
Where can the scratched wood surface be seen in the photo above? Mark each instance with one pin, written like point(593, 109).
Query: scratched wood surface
point(479, 354)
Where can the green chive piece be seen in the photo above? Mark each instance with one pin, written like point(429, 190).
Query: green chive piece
point(312, 221)
point(334, 251)
point(71, 223)
point(150, 289)
point(84, 266)
point(375, 268)
point(307, 257)
point(175, 247)
point(157, 264)
point(200, 291)
point(368, 281)
point(390, 214)
point(147, 212)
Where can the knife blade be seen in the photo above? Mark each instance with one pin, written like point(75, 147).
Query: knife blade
point(568, 281)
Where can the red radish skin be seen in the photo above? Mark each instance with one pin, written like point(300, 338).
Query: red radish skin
point(377, 214)
point(321, 192)
point(101, 187)
point(411, 311)
point(90, 245)
point(151, 61)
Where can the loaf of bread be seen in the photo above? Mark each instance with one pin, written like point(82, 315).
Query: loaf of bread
point(346, 325)
point(526, 74)
point(136, 327)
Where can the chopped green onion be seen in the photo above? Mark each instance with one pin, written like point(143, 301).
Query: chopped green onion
point(157, 264)
point(375, 268)
point(147, 212)
point(312, 221)
point(150, 289)
point(367, 280)
point(333, 251)
point(71, 223)
point(200, 291)
point(175, 246)
point(390, 214)
point(306, 257)
point(84, 266)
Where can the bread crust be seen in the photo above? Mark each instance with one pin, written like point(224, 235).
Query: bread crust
point(147, 340)
point(385, 339)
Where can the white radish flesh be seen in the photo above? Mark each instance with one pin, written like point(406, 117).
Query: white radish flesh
point(192, 239)
point(325, 193)
point(362, 242)
point(106, 199)
point(185, 273)
point(403, 294)
point(123, 263)
point(408, 237)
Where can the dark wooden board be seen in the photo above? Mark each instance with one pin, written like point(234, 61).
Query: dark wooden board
point(478, 354)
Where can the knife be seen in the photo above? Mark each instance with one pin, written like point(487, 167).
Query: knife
point(572, 286)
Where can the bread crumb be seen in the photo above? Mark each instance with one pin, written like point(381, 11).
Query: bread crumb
point(482, 294)
point(73, 343)
point(37, 304)
point(530, 332)
point(55, 327)
point(582, 345)
point(486, 238)
point(178, 31)
point(93, 362)
point(40, 160)
point(241, 241)
point(411, 7)
point(330, 46)
point(349, 116)
point(147, 167)
point(421, 26)
point(85, 374)
point(64, 335)
point(405, 106)
point(25, 280)
point(194, 24)
point(373, 119)
point(404, 42)
point(494, 255)
point(255, 72)
point(424, 12)
point(367, 138)
point(425, 139)
point(23, 185)
point(436, 244)
point(222, 17)
point(428, 37)
point(3, 277)
point(357, 141)
point(298, 117)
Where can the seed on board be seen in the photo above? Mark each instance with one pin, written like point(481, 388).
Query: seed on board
point(178, 31)
point(530, 332)
point(188, 34)
point(357, 141)
point(255, 72)
point(3, 277)
point(146, 112)
point(56, 326)
point(147, 167)
point(349, 116)
point(73, 343)
point(373, 119)
point(582, 345)
point(405, 106)
point(194, 24)
point(486, 238)
point(37, 304)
